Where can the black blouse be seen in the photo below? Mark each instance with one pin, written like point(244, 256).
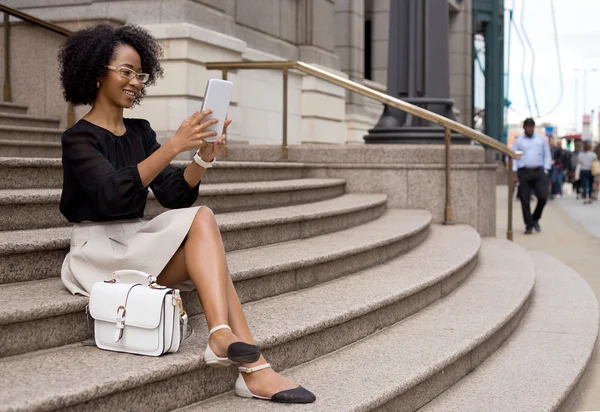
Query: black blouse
point(101, 180)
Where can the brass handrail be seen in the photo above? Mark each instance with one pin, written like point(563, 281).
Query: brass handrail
point(38, 22)
point(32, 19)
point(372, 93)
point(448, 124)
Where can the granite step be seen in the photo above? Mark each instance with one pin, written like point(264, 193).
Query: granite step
point(37, 254)
point(552, 348)
point(24, 120)
point(9, 107)
point(291, 329)
point(406, 365)
point(47, 315)
point(39, 208)
point(42, 173)
point(16, 148)
point(30, 134)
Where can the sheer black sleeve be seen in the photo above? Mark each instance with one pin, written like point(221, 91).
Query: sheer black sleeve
point(115, 192)
point(170, 187)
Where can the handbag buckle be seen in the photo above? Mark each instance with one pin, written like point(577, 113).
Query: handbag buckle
point(113, 278)
point(120, 325)
point(179, 302)
point(152, 283)
point(121, 317)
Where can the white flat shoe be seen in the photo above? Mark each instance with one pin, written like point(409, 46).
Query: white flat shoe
point(296, 395)
point(237, 352)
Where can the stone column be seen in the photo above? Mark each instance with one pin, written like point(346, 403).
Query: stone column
point(323, 103)
point(315, 32)
point(418, 72)
point(461, 60)
point(380, 18)
point(350, 47)
point(349, 37)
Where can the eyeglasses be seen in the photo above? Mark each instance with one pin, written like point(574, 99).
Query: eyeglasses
point(130, 74)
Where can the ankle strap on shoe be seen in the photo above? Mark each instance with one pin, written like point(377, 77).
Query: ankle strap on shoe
point(216, 328)
point(243, 369)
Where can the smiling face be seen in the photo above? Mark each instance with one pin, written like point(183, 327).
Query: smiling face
point(117, 89)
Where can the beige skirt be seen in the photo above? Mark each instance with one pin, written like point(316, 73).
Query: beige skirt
point(98, 249)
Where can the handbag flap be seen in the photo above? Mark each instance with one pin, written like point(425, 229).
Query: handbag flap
point(143, 305)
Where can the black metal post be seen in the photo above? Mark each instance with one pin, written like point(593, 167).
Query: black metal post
point(418, 72)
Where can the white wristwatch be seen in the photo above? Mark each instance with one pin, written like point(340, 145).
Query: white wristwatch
point(202, 163)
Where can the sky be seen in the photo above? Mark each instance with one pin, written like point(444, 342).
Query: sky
point(578, 28)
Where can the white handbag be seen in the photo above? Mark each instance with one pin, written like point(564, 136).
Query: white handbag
point(137, 318)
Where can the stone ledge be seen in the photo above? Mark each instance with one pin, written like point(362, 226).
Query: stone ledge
point(360, 154)
point(171, 31)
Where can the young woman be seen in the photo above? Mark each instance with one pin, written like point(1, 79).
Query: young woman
point(109, 162)
point(585, 159)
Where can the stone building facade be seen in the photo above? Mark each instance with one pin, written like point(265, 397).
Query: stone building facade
point(348, 37)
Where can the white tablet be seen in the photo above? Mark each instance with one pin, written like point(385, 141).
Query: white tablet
point(217, 97)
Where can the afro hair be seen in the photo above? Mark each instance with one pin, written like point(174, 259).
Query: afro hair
point(85, 54)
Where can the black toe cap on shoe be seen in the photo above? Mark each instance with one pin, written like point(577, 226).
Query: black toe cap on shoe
point(296, 395)
point(243, 352)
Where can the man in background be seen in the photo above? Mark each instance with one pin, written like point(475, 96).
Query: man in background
point(532, 171)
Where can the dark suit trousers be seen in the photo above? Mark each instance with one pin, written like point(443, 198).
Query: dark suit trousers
point(537, 180)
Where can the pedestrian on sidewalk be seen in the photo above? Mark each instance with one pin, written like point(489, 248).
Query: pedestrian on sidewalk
point(596, 178)
point(559, 163)
point(573, 172)
point(585, 161)
point(532, 169)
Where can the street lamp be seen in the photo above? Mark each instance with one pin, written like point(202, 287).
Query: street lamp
point(585, 72)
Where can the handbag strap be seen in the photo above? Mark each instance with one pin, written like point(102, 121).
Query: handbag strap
point(121, 311)
point(183, 317)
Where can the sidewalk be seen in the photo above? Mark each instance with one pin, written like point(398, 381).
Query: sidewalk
point(571, 233)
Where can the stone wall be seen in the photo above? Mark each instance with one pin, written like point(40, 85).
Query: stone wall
point(323, 32)
point(34, 71)
point(413, 176)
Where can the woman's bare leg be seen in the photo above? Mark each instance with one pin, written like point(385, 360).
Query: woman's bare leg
point(202, 259)
point(266, 382)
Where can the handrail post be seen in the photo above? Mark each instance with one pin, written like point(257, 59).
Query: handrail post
point(284, 142)
point(509, 228)
point(448, 209)
point(7, 90)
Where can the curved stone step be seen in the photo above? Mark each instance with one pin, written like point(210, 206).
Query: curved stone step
point(38, 254)
point(406, 365)
point(31, 134)
point(291, 328)
point(10, 107)
point(540, 366)
point(41, 173)
point(39, 208)
point(46, 315)
point(17, 148)
point(25, 120)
